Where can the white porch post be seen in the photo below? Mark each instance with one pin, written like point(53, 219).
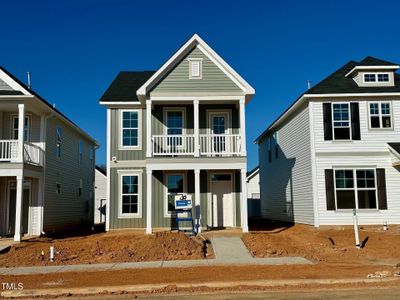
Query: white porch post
point(197, 199)
point(196, 128)
point(243, 201)
point(149, 201)
point(21, 122)
point(242, 126)
point(40, 203)
point(18, 208)
point(148, 129)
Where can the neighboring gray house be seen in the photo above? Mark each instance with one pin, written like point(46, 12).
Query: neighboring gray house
point(337, 148)
point(253, 193)
point(100, 195)
point(46, 165)
point(177, 130)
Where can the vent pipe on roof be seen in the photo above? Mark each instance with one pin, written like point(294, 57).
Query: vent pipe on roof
point(29, 80)
point(54, 105)
point(308, 84)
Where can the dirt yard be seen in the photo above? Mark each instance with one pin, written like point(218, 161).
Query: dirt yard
point(331, 245)
point(105, 248)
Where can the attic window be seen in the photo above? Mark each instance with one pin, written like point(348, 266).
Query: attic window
point(376, 77)
point(195, 69)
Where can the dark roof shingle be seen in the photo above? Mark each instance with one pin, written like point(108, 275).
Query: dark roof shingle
point(395, 146)
point(124, 86)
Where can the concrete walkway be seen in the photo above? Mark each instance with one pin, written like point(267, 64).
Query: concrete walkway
point(228, 251)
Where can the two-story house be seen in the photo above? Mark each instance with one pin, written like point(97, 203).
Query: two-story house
point(336, 149)
point(177, 130)
point(46, 165)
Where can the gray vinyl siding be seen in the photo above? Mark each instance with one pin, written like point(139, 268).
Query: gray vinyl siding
point(67, 209)
point(214, 80)
point(3, 206)
point(128, 154)
point(286, 182)
point(4, 86)
point(6, 122)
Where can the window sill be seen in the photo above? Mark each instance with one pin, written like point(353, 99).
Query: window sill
point(363, 210)
point(130, 148)
point(130, 216)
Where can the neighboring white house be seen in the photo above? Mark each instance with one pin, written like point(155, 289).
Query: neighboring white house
point(337, 148)
point(253, 192)
point(100, 196)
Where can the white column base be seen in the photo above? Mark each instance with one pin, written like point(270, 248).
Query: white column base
point(17, 237)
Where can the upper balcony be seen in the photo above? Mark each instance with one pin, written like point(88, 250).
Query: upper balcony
point(10, 152)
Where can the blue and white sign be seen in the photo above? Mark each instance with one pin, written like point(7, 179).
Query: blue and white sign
point(183, 202)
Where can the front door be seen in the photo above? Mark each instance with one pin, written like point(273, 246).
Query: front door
point(222, 200)
point(12, 192)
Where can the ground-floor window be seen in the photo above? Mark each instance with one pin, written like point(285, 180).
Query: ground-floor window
point(356, 189)
point(130, 195)
point(175, 185)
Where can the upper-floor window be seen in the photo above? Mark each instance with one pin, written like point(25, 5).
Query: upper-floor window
point(80, 151)
point(195, 69)
point(130, 129)
point(376, 77)
point(58, 141)
point(175, 126)
point(380, 115)
point(15, 128)
point(341, 121)
point(91, 157)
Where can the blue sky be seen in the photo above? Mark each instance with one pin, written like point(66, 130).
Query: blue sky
point(74, 48)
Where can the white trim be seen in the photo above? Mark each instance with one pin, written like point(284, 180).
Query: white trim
point(167, 214)
point(119, 103)
point(139, 129)
point(149, 145)
point(230, 98)
point(219, 112)
point(349, 121)
point(108, 169)
point(149, 201)
point(380, 128)
point(191, 62)
point(157, 166)
point(13, 84)
point(394, 67)
point(15, 116)
point(194, 41)
point(131, 172)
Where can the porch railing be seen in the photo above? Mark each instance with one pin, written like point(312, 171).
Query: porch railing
point(33, 154)
point(173, 145)
point(220, 144)
point(8, 150)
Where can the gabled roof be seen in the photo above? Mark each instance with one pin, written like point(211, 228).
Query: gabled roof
point(101, 170)
point(395, 146)
point(194, 41)
point(124, 87)
point(373, 61)
point(253, 172)
point(23, 89)
point(336, 84)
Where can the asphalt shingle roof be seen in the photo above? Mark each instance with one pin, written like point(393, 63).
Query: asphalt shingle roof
point(7, 92)
point(395, 146)
point(124, 86)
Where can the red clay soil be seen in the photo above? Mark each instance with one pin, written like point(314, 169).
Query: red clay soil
point(332, 245)
point(104, 248)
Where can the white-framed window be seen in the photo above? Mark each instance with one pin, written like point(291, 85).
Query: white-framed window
point(195, 68)
point(80, 152)
point(14, 128)
point(130, 194)
point(58, 141)
point(376, 77)
point(58, 188)
point(130, 129)
point(341, 121)
point(91, 157)
point(380, 115)
point(355, 189)
point(175, 184)
point(174, 126)
point(269, 149)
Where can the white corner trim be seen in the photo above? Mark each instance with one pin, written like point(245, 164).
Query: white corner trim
point(313, 166)
point(108, 169)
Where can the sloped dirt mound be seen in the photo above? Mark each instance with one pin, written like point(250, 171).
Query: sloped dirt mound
point(104, 248)
point(327, 244)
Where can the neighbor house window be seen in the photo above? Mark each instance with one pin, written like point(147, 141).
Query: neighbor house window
point(195, 69)
point(341, 121)
point(355, 189)
point(175, 124)
point(58, 188)
point(80, 188)
point(129, 195)
point(380, 115)
point(58, 141)
point(175, 186)
point(276, 148)
point(130, 129)
point(80, 151)
point(269, 150)
point(91, 157)
point(15, 128)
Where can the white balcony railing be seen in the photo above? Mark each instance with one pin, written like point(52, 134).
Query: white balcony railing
point(173, 145)
point(220, 144)
point(33, 154)
point(210, 144)
point(8, 150)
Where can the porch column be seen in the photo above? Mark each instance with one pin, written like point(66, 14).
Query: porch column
point(40, 201)
point(18, 208)
point(149, 174)
point(148, 129)
point(197, 199)
point(21, 121)
point(242, 126)
point(196, 128)
point(243, 201)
